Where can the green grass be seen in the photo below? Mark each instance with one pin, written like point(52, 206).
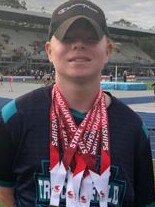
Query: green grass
point(2, 205)
point(149, 83)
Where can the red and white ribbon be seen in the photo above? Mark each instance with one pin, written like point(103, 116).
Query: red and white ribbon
point(80, 146)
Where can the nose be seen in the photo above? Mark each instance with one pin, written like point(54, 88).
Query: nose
point(78, 45)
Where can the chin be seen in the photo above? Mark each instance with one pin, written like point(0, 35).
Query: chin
point(84, 78)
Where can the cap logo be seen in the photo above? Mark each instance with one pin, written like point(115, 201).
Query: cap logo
point(62, 11)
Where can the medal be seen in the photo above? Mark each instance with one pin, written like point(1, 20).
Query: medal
point(80, 145)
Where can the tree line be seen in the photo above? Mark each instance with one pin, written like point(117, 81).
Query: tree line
point(14, 4)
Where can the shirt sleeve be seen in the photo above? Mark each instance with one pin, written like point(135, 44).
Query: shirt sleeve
point(6, 157)
point(9, 133)
point(144, 178)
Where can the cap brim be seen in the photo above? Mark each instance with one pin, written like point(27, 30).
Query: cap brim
point(63, 28)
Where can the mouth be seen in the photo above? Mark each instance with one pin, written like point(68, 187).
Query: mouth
point(80, 59)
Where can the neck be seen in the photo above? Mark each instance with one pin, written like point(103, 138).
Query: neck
point(80, 96)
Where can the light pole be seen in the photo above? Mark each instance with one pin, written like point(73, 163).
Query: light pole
point(116, 73)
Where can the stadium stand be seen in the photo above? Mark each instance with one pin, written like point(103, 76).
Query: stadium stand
point(18, 42)
point(127, 52)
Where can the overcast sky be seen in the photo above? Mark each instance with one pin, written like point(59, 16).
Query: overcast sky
point(140, 12)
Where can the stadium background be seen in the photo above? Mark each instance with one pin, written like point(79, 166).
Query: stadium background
point(23, 34)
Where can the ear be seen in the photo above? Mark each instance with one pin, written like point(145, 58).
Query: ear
point(109, 49)
point(48, 50)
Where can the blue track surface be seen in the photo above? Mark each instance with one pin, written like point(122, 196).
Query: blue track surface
point(148, 118)
point(138, 100)
point(127, 86)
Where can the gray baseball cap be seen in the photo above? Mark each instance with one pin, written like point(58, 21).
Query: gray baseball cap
point(70, 11)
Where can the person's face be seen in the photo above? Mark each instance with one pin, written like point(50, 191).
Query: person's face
point(80, 55)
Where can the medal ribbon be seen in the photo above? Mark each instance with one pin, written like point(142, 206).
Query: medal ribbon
point(80, 147)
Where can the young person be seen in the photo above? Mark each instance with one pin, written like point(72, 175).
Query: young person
point(1, 79)
point(72, 144)
point(124, 76)
point(153, 86)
